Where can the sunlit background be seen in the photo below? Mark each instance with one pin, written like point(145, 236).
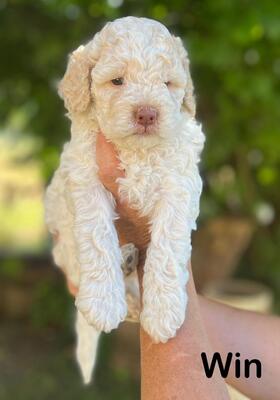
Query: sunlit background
point(235, 64)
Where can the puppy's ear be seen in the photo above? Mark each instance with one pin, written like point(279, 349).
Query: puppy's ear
point(74, 88)
point(189, 100)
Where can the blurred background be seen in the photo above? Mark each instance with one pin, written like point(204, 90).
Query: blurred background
point(235, 64)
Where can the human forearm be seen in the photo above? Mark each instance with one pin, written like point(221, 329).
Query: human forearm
point(174, 370)
point(254, 336)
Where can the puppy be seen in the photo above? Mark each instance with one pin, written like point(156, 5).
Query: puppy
point(132, 83)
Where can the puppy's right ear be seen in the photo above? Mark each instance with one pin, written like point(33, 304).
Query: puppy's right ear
point(74, 88)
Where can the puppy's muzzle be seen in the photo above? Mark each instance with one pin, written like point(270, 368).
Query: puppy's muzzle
point(146, 117)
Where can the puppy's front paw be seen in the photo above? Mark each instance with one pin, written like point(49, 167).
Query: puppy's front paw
point(163, 315)
point(104, 312)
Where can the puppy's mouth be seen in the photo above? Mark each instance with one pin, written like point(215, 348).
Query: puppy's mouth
point(145, 130)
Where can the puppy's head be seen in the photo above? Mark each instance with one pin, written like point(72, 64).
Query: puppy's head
point(134, 79)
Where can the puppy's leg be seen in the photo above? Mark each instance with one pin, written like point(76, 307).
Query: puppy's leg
point(165, 270)
point(60, 222)
point(101, 296)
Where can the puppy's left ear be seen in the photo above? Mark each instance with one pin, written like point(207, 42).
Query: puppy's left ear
point(189, 101)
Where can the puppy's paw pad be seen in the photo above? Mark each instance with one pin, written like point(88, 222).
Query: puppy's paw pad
point(130, 255)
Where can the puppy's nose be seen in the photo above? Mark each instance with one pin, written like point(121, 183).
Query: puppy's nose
point(146, 116)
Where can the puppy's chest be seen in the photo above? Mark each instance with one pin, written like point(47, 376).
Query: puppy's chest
point(149, 175)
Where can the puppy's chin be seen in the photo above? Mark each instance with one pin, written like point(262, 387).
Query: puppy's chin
point(137, 137)
point(138, 141)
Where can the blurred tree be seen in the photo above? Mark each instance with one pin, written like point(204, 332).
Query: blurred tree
point(235, 58)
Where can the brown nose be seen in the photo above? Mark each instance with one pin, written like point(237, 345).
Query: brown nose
point(146, 116)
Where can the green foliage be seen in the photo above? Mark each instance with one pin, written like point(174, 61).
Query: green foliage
point(42, 366)
point(235, 60)
point(12, 269)
point(52, 305)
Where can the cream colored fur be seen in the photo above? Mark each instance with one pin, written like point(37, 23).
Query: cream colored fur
point(161, 173)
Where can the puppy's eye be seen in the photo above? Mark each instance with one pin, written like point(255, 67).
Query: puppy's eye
point(168, 83)
point(117, 81)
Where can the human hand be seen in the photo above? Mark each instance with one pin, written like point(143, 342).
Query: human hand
point(130, 226)
point(109, 171)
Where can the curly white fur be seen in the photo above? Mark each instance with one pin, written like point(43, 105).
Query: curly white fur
point(161, 173)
